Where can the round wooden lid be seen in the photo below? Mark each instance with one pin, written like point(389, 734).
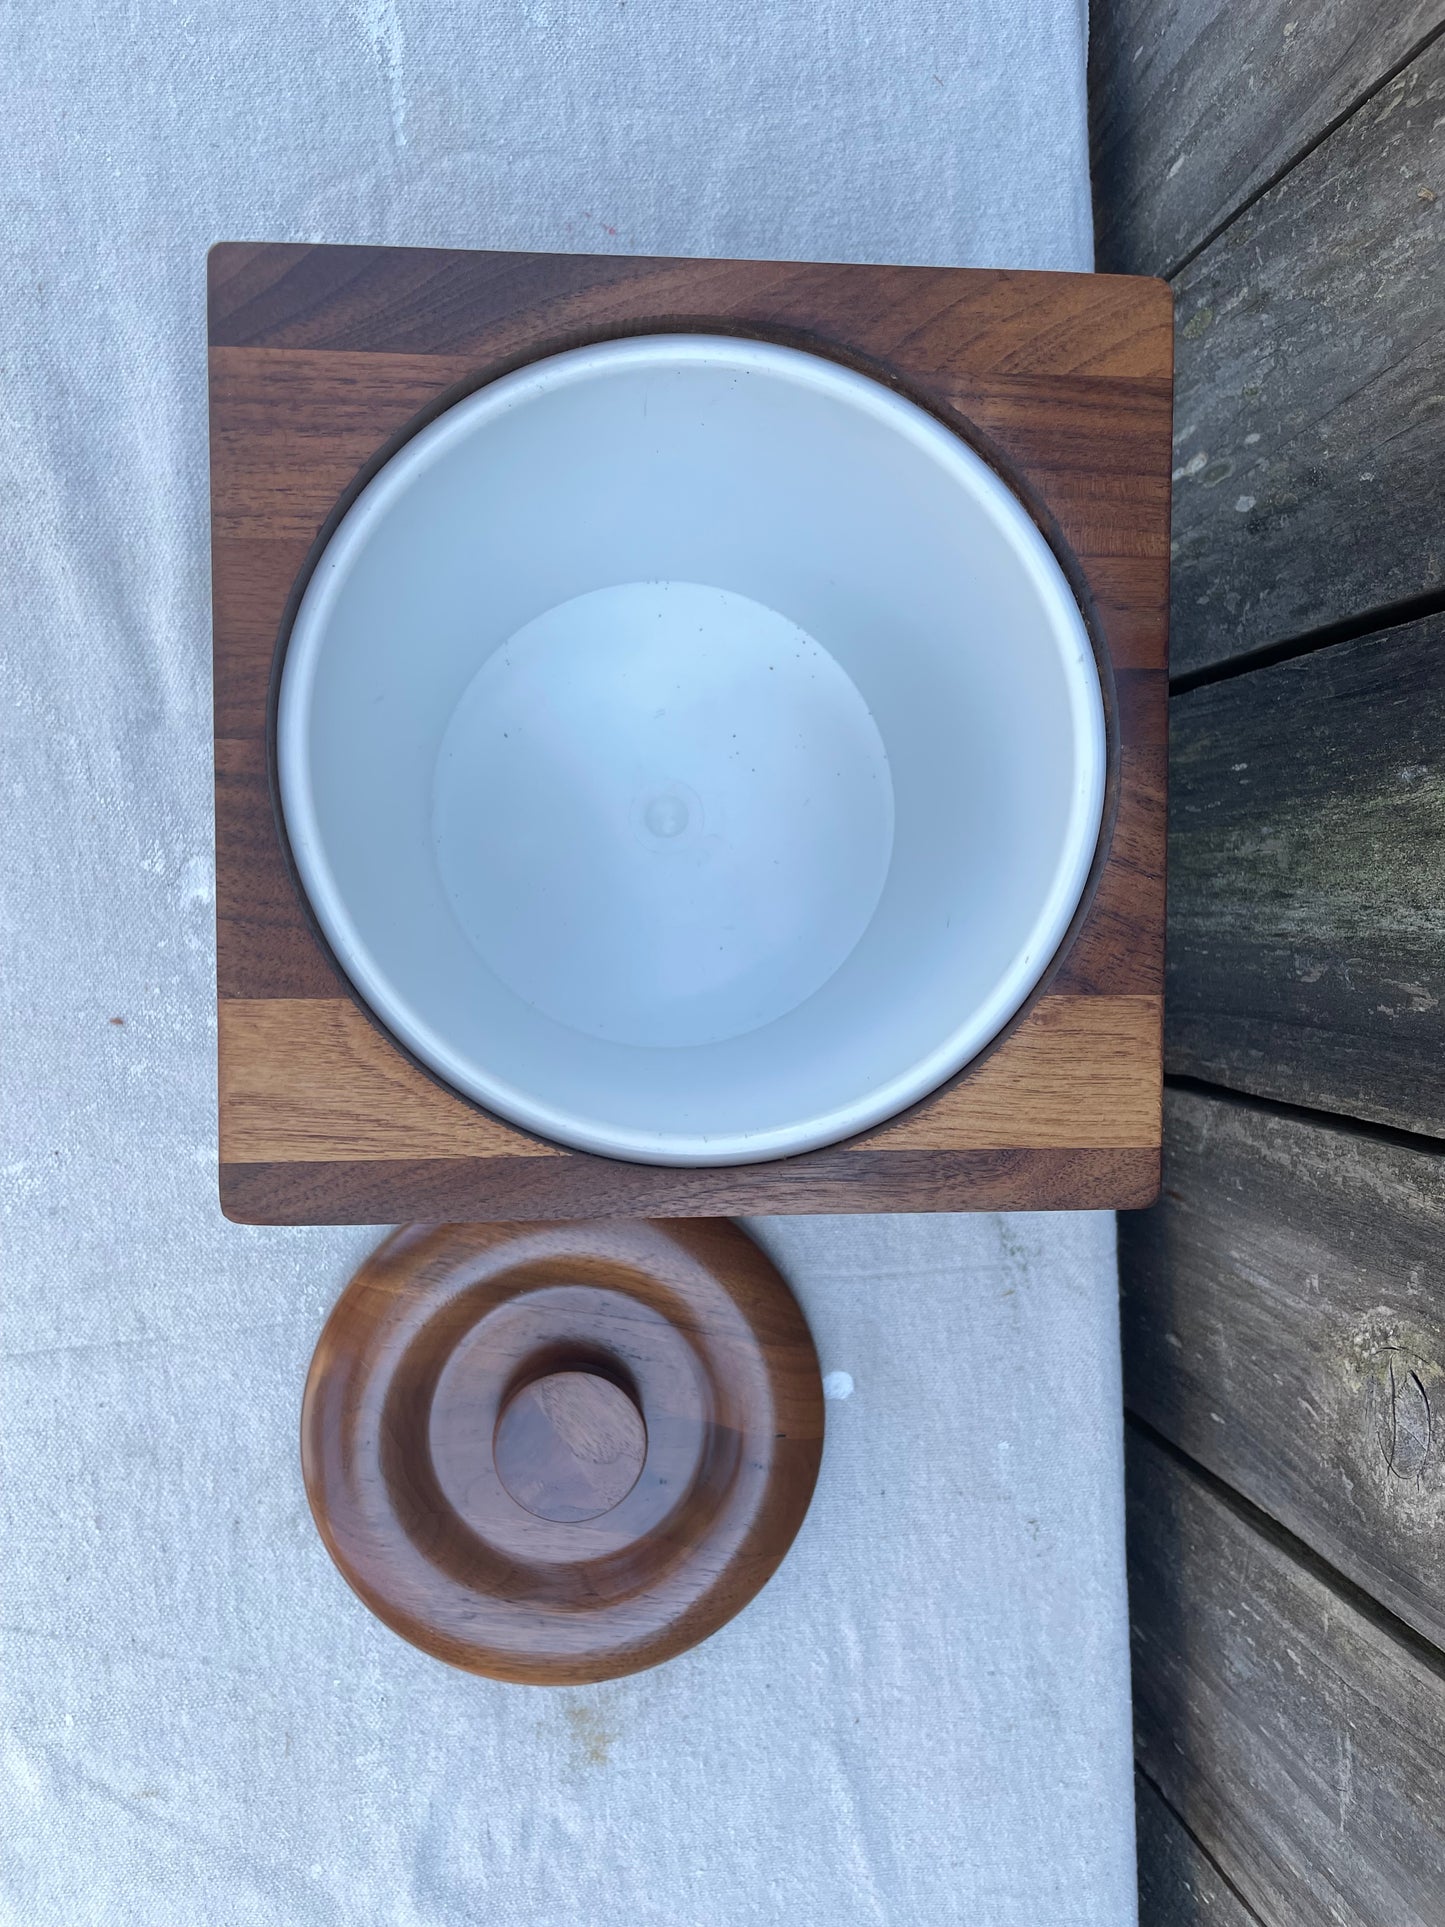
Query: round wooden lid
point(558, 1453)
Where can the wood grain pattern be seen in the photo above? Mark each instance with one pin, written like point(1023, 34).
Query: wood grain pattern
point(361, 1191)
point(1179, 1885)
point(1097, 1052)
point(560, 1453)
point(569, 1446)
point(323, 360)
point(1311, 384)
point(1281, 1305)
point(306, 1081)
point(1306, 849)
point(1302, 1743)
point(1196, 105)
point(1283, 1323)
point(968, 322)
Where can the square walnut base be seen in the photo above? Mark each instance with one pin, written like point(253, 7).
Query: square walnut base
point(324, 360)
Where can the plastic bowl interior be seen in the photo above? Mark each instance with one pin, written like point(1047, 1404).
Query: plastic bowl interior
point(691, 749)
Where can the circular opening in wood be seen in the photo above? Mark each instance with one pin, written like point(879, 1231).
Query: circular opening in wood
point(800, 714)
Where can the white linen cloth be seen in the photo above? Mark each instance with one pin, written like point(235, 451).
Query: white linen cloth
point(924, 1719)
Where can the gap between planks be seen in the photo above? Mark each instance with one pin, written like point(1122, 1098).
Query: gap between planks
point(1303, 1555)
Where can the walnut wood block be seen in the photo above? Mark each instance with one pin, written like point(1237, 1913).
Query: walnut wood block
point(324, 360)
point(560, 1453)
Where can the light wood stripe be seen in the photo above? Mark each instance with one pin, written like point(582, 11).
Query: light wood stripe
point(1078, 1073)
point(310, 1081)
point(305, 1082)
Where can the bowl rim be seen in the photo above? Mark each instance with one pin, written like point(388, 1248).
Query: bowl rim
point(346, 532)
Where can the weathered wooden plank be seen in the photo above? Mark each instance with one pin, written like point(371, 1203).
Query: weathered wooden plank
point(1284, 1324)
point(1179, 1885)
point(1311, 385)
point(1306, 856)
point(1300, 1741)
point(1195, 105)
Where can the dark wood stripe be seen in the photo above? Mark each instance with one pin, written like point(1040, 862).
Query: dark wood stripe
point(1119, 949)
point(827, 1181)
point(264, 942)
point(945, 321)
